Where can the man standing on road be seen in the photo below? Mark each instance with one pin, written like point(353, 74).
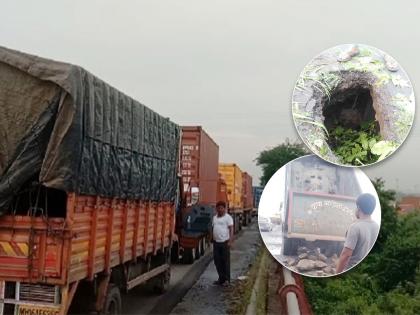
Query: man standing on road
point(361, 235)
point(222, 240)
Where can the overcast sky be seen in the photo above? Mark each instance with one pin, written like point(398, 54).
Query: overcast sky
point(229, 66)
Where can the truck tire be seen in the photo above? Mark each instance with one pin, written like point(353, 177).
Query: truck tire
point(112, 304)
point(161, 282)
point(202, 246)
point(188, 255)
point(175, 253)
point(245, 220)
point(198, 251)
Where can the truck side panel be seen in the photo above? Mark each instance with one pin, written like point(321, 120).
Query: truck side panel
point(98, 234)
point(232, 175)
point(247, 193)
point(108, 232)
point(199, 163)
point(31, 249)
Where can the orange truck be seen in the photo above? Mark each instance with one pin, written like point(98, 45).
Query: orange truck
point(239, 193)
point(88, 190)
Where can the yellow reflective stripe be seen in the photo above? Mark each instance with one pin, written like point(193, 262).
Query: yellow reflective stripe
point(23, 248)
point(8, 248)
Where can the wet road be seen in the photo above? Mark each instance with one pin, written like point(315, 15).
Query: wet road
point(273, 240)
point(206, 298)
point(142, 300)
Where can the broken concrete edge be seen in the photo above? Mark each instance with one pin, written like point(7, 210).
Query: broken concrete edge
point(391, 92)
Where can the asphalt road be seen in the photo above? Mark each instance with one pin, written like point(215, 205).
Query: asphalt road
point(273, 240)
point(194, 280)
point(142, 300)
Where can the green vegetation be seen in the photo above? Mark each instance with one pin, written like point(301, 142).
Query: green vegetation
point(272, 160)
point(360, 147)
point(387, 281)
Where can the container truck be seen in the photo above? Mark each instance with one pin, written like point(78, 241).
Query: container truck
point(320, 203)
point(200, 186)
point(232, 175)
point(88, 190)
point(247, 198)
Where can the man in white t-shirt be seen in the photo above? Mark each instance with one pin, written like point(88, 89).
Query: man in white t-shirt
point(222, 240)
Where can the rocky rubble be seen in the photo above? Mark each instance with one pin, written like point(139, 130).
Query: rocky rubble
point(311, 262)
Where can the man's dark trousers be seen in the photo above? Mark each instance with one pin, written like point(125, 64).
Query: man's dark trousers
point(221, 255)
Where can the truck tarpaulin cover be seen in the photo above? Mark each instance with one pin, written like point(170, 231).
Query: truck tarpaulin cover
point(78, 134)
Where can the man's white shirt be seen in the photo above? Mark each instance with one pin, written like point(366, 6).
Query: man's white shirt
point(221, 227)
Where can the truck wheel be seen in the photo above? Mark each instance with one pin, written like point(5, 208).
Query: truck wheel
point(175, 253)
point(162, 282)
point(198, 251)
point(113, 301)
point(202, 246)
point(188, 255)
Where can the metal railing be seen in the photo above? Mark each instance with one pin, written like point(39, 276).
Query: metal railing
point(291, 290)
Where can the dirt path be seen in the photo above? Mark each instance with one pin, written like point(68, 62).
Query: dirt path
point(206, 298)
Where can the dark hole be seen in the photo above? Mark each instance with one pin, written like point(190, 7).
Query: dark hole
point(37, 200)
point(349, 109)
point(349, 117)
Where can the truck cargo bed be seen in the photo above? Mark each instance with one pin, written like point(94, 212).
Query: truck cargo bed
point(98, 234)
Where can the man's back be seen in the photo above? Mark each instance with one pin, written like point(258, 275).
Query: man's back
point(360, 238)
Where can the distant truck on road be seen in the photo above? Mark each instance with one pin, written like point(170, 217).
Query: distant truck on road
point(201, 187)
point(239, 193)
point(257, 192)
point(319, 204)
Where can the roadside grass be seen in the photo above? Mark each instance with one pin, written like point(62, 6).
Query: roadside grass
point(262, 289)
point(240, 294)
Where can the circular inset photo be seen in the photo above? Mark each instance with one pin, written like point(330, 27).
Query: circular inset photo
point(319, 219)
point(353, 105)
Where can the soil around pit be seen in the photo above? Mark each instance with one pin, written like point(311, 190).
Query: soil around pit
point(330, 93)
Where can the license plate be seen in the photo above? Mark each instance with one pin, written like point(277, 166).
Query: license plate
point(36, 310)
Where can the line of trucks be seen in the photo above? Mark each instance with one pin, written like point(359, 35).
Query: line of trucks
point(98, 193)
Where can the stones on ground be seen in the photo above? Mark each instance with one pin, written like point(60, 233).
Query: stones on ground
point(242, 278)
point(303, 255)
point(313, 257)
point(305, 265)
point(328, 269)
point(347, 55)
point(302, 250)
point(322, 257)
point(311, 262)
point(390, 63)
point(320, 264)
